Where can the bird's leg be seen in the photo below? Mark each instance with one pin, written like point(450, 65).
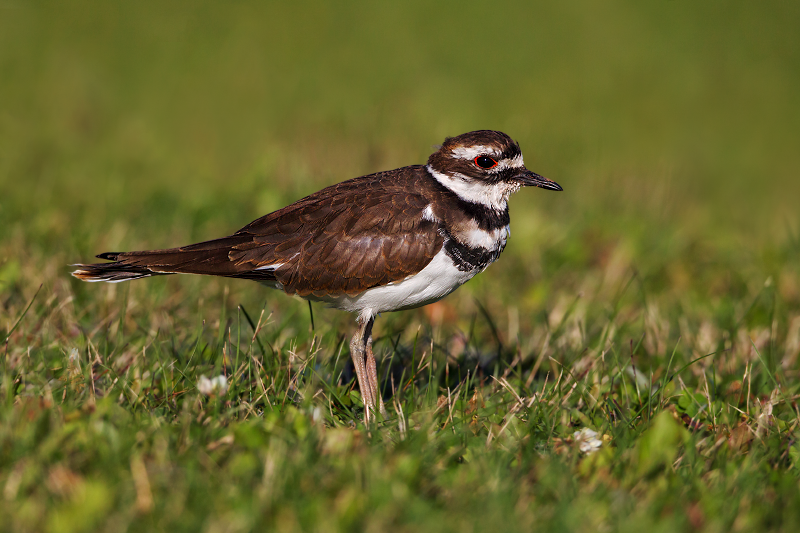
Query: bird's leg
point(372, 373)
point(358, 351)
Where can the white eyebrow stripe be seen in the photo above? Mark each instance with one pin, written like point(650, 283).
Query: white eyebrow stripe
point(503, 164)
point(471, 152)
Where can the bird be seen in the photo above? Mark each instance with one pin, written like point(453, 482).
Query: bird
point(388, 241)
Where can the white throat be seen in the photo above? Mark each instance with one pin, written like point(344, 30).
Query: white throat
point(494, 195)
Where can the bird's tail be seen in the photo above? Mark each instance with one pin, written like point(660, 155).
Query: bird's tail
point(114, 272)
point(209, 258)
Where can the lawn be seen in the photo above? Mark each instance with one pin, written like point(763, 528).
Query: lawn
point(656, 301)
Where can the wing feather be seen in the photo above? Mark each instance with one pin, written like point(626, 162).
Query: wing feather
point(346, 238)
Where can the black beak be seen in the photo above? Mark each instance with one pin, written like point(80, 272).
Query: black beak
point(532, 179)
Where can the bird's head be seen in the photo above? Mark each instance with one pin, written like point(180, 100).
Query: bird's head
point(484, 166)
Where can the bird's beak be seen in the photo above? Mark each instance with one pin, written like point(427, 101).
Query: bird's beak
point(532, 179)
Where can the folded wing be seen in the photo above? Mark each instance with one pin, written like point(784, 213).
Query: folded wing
point(347, 238)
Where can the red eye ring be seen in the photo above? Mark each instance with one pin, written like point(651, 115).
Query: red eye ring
point(485, 162)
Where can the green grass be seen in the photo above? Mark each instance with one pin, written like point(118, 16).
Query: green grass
point(656, 300)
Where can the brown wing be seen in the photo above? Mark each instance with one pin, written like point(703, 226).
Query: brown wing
point(344, 239)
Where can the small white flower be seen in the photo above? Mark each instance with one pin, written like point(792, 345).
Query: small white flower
point(212, 387)
point(587, 440)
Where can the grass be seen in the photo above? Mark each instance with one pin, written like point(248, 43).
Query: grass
point(656, 301)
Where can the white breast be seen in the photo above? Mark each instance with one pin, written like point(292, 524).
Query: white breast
point(438, 279)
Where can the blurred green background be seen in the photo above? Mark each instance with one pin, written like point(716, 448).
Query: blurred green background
point(193, 118)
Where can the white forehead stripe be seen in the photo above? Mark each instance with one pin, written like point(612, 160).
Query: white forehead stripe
point(514, 162)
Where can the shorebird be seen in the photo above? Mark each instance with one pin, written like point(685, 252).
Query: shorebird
point(388, 241)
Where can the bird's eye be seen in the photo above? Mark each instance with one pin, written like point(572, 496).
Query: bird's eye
point(485, 162)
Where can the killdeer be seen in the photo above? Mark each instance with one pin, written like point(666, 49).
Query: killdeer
point(384, 242)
